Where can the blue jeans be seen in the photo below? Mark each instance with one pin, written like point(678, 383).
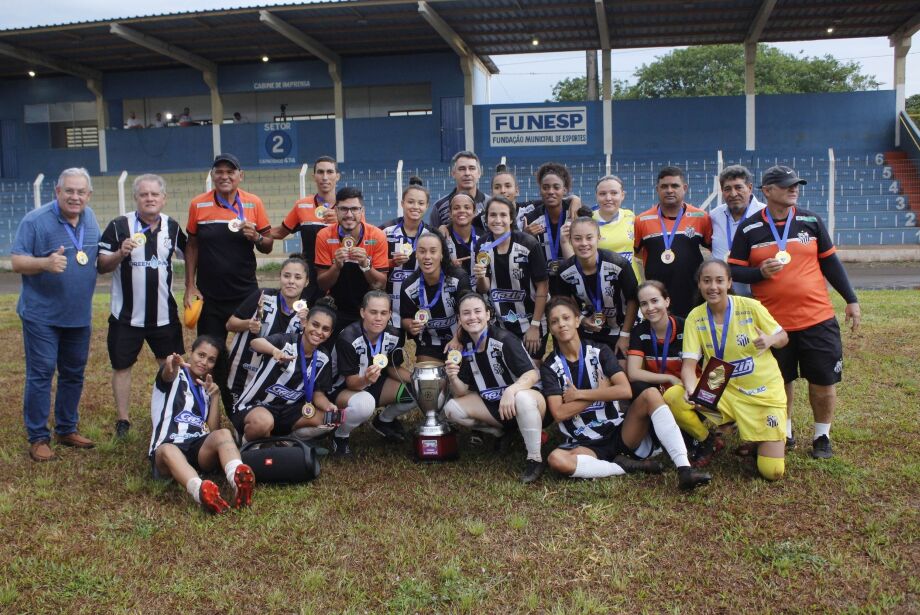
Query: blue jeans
point(48, 348)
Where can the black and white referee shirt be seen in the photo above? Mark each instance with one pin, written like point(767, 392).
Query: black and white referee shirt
point(142, 283)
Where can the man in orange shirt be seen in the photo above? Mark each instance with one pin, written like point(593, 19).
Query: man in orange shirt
point(311, 213)
point(787, 256)
point(668, 239)
point(351, 257)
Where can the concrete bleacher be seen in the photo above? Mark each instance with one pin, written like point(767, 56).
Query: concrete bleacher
point(869, 206)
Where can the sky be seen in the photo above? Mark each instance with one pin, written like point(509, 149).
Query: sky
point(523, 79)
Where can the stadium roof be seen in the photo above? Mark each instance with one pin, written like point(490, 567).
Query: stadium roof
point(486, 27)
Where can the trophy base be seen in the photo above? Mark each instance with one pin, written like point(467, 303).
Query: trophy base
point(441, 447)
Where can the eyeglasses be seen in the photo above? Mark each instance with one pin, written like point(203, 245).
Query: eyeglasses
point(349, 210)
point(74, 192)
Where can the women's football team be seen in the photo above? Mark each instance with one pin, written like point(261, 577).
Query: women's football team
point(482, 295)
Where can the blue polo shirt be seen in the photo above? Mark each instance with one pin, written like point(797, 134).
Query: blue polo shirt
point(57, 299)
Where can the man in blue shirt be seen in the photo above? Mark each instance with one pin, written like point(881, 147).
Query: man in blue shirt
point(55, 251)
point(737, 185)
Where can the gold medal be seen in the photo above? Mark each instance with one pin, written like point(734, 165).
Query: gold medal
point(483, 258)
point(668, 256)
point(599, 319)
point(716, 377)
point(139, 238)
point(299, 305)
point(348, 242)
point(260, 313)
point(405, 248)
point(205, 428)
point(82, 258)
point(423, 316)
point(308, 410)
point(381, 360)
point(783, 257)
point(235, 225)
point(320, 212)
point(455, 357)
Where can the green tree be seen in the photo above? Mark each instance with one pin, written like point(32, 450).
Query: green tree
point(718, 70)
point(912, 105)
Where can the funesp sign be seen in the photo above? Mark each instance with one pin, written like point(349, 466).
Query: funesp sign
point(538, 126)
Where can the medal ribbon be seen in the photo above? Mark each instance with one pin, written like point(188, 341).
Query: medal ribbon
point(662, 359)
point(76, 239)
point(488, 246)
point(780, 242)
point(137, 225)
point(602, 222)
point(482, 336)
point(374, 350)
point(423, 296)
point(598, 299)
point(469, 244)
point(553, 241)
point(308, 383)
point(282, 303)
point(667, 237)
point(236, 201)
point(418, 233)
point(719, 349)
point(360, 235)
point(197, 394)
point(581, 367)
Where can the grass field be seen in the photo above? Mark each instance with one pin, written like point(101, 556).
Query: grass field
point(381, 534)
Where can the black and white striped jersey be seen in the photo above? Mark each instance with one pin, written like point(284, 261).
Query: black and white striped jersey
point(278, 384)
point(175, 414)
point(354, 351)
point(442, 325)
point(440, 209)
point(499, 365)
point(142, 282)
point(276, 318)
point(459, 249)
point(617, 286)
point(600, 419)
point(513, 276)
point(396, 235)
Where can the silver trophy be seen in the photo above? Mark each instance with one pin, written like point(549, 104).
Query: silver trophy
point(434, 440)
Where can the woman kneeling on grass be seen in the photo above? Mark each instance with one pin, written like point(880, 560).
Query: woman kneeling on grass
point(583, 382)
point(288, 391)
point(733, 329)
point(493, 383)
point(186, 439)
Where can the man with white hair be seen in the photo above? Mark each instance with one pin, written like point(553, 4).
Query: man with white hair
point(55, 252)
point(138, 248)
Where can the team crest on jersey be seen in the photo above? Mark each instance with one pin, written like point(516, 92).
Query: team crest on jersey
point(772, 421)
point(631, 235)
point(690, 232)
point(742, 339)
point(804, 238)
point(838, 367)
point(167, 242)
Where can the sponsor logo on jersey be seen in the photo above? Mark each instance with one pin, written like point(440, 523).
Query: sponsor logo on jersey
point(498, 295)
point(400, 275)
point(806, 218)
point(752, 392)
point(153, 263)
point(248, 206)
point(695, 214)
point(653, 217)
point(283, 392)
point(105, 245)
point(441, 323)
point(743, 367)
point(189, 418)
point(627, 255)
point(204, 204)
point(492, 394)
point(249, 367)
point(594, 407)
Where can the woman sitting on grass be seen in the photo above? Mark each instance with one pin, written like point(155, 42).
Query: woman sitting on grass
point(186, 438)
point(583, 382)
point(734, 329)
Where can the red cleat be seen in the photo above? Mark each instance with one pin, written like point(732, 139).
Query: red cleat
point(244, 481)
point(211, 502)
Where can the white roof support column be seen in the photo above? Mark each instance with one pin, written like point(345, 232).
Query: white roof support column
point(333, 62)
point(755, 31)
point(900, 42)
point(606, 80)
point(207, 68)
point(93, 80)
point(469, 62)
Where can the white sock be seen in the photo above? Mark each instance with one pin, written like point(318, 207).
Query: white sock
point(669, 435)
point(822, 429)
point(389, 414)
point(193, 486)
point(359, 409)
point(530, 424)
point(587, 466)
point(455, 413)
point(788, 428)
point(230, 468)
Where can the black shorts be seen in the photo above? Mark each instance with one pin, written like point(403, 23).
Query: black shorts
point(435, 352)
point(125, 342)
point(189, 448)
point(815, 353)
point(285, 417)
point(606, 449)
point(639, 387)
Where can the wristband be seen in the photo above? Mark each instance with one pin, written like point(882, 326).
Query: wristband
point(625, 333)
point(536, 323)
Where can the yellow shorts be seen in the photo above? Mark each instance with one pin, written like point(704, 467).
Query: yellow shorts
point(758, 420)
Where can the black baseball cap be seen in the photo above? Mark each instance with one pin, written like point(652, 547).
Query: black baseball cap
point(781, 176)
point(227, 158)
